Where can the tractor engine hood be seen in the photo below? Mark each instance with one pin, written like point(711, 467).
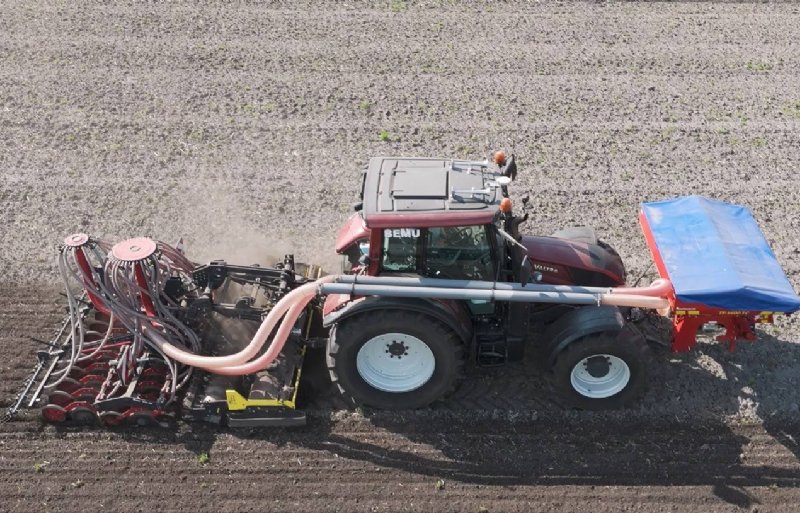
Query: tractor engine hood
point(570, 262)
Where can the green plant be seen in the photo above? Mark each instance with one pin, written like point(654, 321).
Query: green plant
point(793, 109)
point(196, 135)
point(398, 6)
point(758, 66)
point(364, 105)
point(384, 136)
point(203, 458)
point(667, 133)
point(464, 149)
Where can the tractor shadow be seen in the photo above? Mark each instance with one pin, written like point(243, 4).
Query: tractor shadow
point(695, 426)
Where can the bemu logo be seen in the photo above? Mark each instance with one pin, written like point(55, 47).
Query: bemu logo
point(400, 232)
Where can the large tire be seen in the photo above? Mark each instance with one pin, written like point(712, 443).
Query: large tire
point(357, 353)
point(602, 371)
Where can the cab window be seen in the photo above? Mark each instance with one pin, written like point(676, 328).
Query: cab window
point(458, 252)
point(400, 248)
point(352, 256)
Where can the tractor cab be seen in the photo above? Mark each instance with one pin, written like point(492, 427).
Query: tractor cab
point(448, 252)
point(453, 219)
point(429, 217)
point(441, 219)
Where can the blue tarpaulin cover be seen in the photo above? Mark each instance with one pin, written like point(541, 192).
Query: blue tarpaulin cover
point(716, 255)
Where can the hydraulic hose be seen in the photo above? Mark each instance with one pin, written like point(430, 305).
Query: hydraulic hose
point(291, 305)
point(274, 349)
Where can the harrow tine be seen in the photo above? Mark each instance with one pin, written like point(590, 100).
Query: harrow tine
point(80, 300)
point(44, 343)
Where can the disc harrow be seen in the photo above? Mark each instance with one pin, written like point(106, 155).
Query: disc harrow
point(144, 323)
point(104, 369)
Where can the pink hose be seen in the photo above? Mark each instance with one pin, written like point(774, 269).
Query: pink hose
point(661, 287)
point(263, 361)
point(654, 303)
point(292, 304)
point(654, 297)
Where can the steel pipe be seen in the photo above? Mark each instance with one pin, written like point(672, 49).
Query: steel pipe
point(568, 296)
point(405, 281)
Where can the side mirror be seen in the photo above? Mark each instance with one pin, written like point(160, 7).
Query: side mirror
point(518, 220)
point(510, 169)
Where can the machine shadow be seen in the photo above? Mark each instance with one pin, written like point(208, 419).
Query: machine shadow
point(681, 434)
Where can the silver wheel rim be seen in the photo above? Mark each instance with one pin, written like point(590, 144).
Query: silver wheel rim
point(395, 362)
point(599, 379)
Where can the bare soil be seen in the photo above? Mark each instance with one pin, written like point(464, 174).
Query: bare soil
point(243, 129)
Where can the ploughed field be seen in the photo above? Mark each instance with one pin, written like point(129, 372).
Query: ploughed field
point(243, 129)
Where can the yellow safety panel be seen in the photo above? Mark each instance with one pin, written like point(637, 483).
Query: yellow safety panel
point(238, 402)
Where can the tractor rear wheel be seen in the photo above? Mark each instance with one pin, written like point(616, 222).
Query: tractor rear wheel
point(602, 371)
point(394, 359)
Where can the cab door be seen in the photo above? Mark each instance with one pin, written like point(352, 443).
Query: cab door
point(459, 253)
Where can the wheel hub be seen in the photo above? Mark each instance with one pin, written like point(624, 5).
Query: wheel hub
point(397, 348)
point(597, 366)
point(395, 362)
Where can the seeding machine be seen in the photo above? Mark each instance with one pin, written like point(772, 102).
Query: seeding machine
point(437, 280)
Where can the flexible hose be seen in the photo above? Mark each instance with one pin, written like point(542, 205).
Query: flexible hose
point(274, 349)
point(177, 344)
point(661, 287)
point(126, 297)
point(291, 305)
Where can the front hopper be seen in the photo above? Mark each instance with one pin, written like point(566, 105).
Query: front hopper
point(720, 265)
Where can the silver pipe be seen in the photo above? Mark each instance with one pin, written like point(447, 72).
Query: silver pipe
point(451, 293)
point(403, 281)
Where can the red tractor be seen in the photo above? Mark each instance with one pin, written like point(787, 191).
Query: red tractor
point(437, 279)
point(443, 220)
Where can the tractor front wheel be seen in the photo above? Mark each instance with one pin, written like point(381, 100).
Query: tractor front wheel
point(601, 371)
point(394, 359)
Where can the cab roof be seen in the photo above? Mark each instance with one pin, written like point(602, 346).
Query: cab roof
point(403, 192)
